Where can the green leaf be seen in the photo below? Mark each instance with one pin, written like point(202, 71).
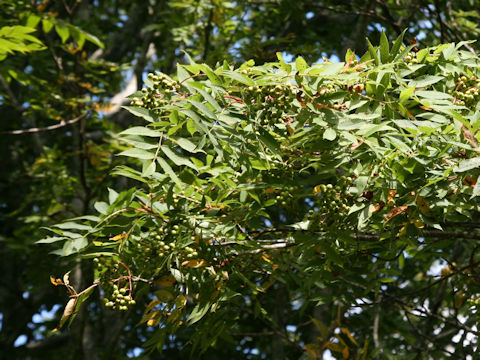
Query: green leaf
point(198, 312)
point(148, 168)
point(142, 112)
point(169, 171)
point(187, 145)
point(102, 207)
point(425, 80)
point(269, 141)
point(47, 25)
point(238, 77)
point(373, 52)
point(62, 31)
point(51, 239)
point(301, 65)
point(396, 45)
point(285, 67)
point(203, 109)
point(384, 48)
point(210, 74)
point(138, 153)
point(210, 99)
point(94, 40)
point(406, 94)
point(72, 225)
point(177, 158)
point(330, 134)
point(468, 164)
point(143, 131)
point(112, 196)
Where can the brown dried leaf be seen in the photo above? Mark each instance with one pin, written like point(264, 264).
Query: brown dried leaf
point(470, 181)
point(378, 207)
point(469, 136)
point(69, 308)
point(55, 281)
point(396, 211)
point(66, 280)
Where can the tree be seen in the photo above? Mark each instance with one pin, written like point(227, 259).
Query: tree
point(333, 189)
point(57, 148)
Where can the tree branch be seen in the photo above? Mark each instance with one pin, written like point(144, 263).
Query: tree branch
point(47, 128)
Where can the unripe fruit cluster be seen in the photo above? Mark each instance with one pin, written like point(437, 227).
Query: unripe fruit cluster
point(159, 245)
point(466, 90)
point(329, 88)
point(333, 204)
point(411, 59)
point(120, 300)
point(274, 100)
point(286, 195)
point(158, 95)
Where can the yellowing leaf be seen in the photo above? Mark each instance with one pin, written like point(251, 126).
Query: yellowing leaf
point(268, 284)
point(417, 223)
point(180, 301)
point(332, 346)
point(391, 197)
point(194, 263)
point(150, 316)
point(266, 258)
point(152, 304)
point(322, 328)
point(167, 280)
point(164, 295)
point(403, 230)
point(316, 190)
point(459, 299)
point(423, 205)
point(349, 335)
point(365, 350)
point(118, 237)
point(345, 352)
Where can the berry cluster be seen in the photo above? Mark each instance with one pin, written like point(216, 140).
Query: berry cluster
point(328, 89)
point(107, 269)
point(161, 245)
point(285, 197)
point(158, 94)
point(121, 299)
point(333, 204)
point(466, 90)
point(411, 59)
point(274, 100)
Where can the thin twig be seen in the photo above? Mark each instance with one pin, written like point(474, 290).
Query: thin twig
point(47, 128)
